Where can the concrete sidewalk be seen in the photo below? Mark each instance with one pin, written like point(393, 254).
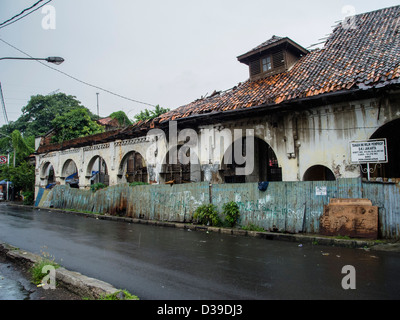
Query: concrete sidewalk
point(70, 285)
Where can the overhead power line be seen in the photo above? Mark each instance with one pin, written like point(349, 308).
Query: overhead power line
point(21, 15)
point(76, 79)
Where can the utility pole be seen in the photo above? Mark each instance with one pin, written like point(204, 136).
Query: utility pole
point(98, 114)
point(3, 105)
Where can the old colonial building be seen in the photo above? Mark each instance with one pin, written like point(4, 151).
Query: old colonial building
point(292, 120)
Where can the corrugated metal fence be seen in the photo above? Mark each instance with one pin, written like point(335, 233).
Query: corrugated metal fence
point(285, 206)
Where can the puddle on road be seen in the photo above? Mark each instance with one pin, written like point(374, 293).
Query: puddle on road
point(13, 285)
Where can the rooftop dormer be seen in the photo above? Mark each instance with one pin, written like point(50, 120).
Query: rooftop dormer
point(274, 56)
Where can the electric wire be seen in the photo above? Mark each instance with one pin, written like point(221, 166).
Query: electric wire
point(76, 79)
point(12, 20)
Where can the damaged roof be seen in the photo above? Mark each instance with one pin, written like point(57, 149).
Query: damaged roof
point(362, 53)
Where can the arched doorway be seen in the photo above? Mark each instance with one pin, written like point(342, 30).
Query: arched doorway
point(266, 166)
point(391, 169)
point(97, 171)
point(318, 173)
point(133, 168)
point(48, 175)
point(70, 174)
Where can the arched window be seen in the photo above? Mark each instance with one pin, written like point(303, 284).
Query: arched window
point(133, 168)
point(266, 166)
point(97, 171)
point(70, 174)
point(390, 131)
point(47, 174)
point(318, 173)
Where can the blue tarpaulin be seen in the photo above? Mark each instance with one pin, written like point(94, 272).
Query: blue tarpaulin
point(72, 176)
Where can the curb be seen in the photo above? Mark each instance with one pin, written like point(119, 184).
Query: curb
point(75, 282)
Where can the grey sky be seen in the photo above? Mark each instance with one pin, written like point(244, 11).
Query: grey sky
point(159, 52)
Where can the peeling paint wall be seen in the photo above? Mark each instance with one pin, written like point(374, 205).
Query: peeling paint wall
point(299, 139)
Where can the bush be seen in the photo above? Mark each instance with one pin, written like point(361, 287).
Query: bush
point(207, 214)
point(138, 183)
point(231, 213)
point(29, 198)
point(97, 186)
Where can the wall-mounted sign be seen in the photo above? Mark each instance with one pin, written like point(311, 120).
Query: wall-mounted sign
point(3, 160)
point(369, 151)
point(321, 191)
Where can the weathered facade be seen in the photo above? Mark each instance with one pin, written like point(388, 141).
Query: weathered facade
point(298, 111)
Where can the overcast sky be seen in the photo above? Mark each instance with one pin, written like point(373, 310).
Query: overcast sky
point(158, 52)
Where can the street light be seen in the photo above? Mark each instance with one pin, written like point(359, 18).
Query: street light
point(55, 60)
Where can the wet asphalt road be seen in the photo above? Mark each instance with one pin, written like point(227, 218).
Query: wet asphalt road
point(13, 283)
point(157, 263)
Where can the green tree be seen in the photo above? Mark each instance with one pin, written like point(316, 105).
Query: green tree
point(150, 114)
point(38, 114)
point(122, 118)
point(74, 124)
point(22, 176)
point(17, 145)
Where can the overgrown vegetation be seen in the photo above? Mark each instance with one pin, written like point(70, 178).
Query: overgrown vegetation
point(150, 114)
point(231, 213)
point(138, 183)
point(119, 295)
point(29, 198)
point(121, 117)
point(207, 214)
point(37, 268)
point(98, 186)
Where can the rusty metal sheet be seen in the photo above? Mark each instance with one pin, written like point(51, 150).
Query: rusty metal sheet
point(285, 206)
point(387, 198)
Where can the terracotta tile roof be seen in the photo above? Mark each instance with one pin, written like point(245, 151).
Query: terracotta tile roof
point(365, 56)
point(108, 122)
point(267, 43)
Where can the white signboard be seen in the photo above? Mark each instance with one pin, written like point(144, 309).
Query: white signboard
point(369, 151)
point(321, 191)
